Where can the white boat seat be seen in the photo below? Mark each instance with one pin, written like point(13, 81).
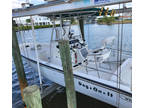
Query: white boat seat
point(108, 42)
point(101, 55)
point(126, 73)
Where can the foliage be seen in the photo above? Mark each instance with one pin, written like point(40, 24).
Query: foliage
point(73, 21)
point(106, 20)
point(117, 18)
point(36, 27)
point(28, 20)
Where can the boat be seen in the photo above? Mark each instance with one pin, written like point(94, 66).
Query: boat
point(102, 73)
point(95, 71)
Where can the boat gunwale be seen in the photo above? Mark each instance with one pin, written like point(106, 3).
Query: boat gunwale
point(118, 90)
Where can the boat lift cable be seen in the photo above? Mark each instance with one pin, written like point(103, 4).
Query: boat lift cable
point(24, 40)
point(25, 51)
point(52, 39)
point(118, 96)
point(121, 42)
point(88, 48)
point(61, 36)
point(88, 35)
point(63, 32)
point(119, 55)
point(69, 26)
point(36, 51)
point(29, 31)
point(79, 29)
point(20, 36)
point(121, 48)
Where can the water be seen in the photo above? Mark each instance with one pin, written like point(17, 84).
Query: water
point(32, 78)
point(94, 34)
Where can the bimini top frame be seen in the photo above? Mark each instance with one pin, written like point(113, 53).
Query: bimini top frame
point(55, 8)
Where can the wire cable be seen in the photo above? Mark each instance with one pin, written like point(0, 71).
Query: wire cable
point(36, 51)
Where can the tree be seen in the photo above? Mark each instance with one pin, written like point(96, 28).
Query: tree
point(28, 20)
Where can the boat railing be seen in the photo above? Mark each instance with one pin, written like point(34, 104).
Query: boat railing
point(126, 52)
point(109, 65)
point(100, 70)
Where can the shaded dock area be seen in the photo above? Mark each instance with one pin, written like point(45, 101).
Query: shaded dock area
point(58, 100)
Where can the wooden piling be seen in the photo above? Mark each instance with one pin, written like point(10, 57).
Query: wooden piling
point(18, 61)
point(32, 97)
point(81, 24)
point(68, 73)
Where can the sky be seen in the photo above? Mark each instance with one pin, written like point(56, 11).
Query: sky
point(17, 3)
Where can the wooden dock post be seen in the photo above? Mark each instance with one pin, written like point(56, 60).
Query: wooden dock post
point(68, 73)
point(32, 97)
point(81, 24)
point(18, 61)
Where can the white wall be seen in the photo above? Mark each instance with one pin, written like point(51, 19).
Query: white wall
point(38, 20)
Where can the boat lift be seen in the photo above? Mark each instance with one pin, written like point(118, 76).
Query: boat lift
point(60, 6)
point(61, 9)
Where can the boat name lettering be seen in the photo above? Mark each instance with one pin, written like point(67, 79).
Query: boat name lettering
point(94, 89)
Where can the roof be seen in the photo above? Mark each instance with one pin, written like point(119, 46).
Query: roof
point(59, 7)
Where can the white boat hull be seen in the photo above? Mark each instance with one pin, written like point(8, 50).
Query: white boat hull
point(88, 87)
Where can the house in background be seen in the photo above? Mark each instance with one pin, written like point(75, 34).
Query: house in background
point(38, 20)
point(126, 16)
point(41, 20)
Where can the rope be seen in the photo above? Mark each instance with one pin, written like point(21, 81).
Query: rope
point(36, 51)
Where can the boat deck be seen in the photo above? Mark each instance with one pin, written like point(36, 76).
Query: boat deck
point(107, 70)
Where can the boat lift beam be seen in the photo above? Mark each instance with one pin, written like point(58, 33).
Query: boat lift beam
point(56, 8)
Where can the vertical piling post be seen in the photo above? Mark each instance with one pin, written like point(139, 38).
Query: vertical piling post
point(32, 97)
point(81, 24)
point(18, 61)
point(68, 73)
